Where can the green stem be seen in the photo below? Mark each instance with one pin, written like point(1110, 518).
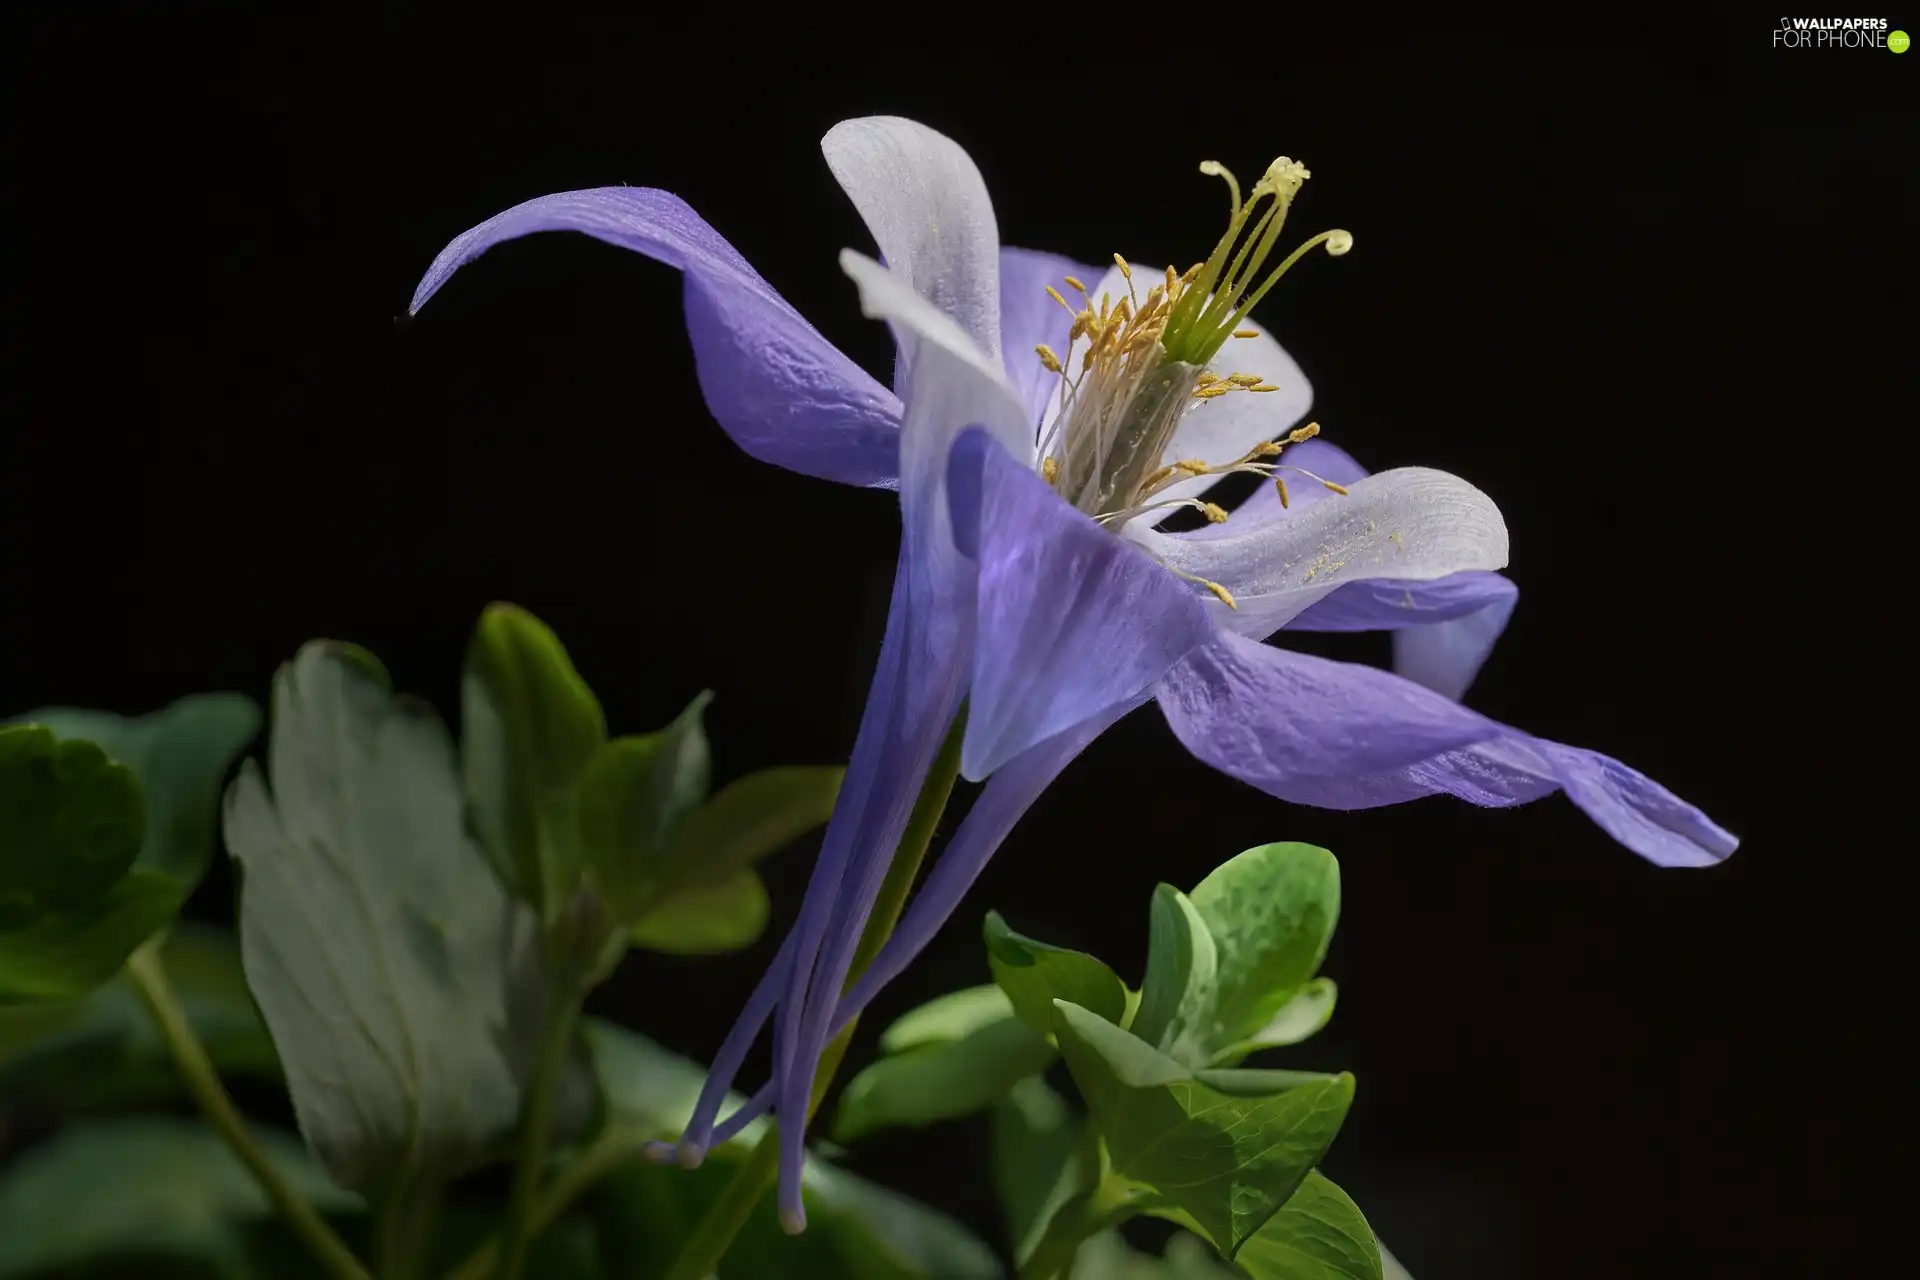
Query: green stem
point(536, 1127)
point(403, 1227)
point(149, 977)
point(700, 1257)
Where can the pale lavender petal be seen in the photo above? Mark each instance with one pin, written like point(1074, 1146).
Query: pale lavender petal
point(1340, 736)
point(1329, 462)
point(1072, 620)
point(1443, 629)
point(1030, 318)
point(923, 199)
point(1411, 524)
point(782, 391)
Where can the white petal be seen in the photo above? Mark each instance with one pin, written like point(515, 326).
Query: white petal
point(928, 210)
point(1222, 429)
point(965, 387)
point(1412, 524)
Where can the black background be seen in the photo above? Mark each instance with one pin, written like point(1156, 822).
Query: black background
point(1642, 285)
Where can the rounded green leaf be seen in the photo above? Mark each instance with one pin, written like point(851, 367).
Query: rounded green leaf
point(1035, 974)
point(181, 755)
point(941, 1081)
point(1319, 1234)
point(634, 795)
point(707, 919)
point(1300, 1018)
point(752, 817)
point(946, 1018)
point(529, 724)
point(1271, 912)
point(71, 824)
point(1177, 998)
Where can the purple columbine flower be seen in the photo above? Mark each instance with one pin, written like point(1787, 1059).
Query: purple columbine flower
point(1038, 446)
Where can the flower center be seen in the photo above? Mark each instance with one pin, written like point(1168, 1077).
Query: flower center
point(1144, 366)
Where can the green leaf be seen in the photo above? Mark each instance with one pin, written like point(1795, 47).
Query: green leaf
point(634, 796)
point(180, 754)
point(529, 724)
point(752, 817)
point(403, 987)
point(72, 904)
point(707, 919)
point(946, 1018)
point(71, 824)
point(146, 1191)
point(1224, 1146)
point(1319, 1234)
point(1041, 1160)
point(102, 1051)
point(1300, 1018)
point(1034, 975)
point(1271, 912)
point(1176, 1000)
point(941, 1081)
point(65, 954)
point(855, 1230)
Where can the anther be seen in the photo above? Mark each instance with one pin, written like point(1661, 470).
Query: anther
point(1208, 393)
point(1074, 284)
point(1246, 333)
point(1051, 470)
point(1281, 485)
point(1265, 386)
point(1125, 271)
point(1215, 513)
point(1055, 295)
point(1245, 379)
point(1050, 361)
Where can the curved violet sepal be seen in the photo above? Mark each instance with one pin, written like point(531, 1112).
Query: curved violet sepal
point(907, 714)
point(1339, 736)
point(952, 384)
point(782, 391)
point(1001, 803)
point(697, 1139)
point(1072, 620)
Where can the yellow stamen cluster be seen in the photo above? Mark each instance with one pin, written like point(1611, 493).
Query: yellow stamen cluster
point(1142, 367)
